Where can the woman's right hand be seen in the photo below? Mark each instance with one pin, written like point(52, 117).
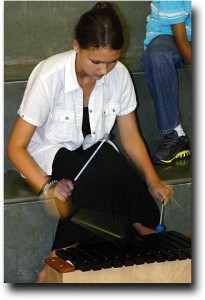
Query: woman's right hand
point(62, 193)
point(61, 190)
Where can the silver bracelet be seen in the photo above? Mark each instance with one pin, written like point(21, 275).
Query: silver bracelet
point(47, 187)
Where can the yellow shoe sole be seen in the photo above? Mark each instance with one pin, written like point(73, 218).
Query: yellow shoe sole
point(181, 154)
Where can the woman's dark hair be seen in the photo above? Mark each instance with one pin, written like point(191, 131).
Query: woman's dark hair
point(100, 27)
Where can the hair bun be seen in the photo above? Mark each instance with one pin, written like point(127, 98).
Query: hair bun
point(103, 5)
point(100, 27)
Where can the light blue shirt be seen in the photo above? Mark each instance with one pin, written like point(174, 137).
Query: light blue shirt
point(163, 15)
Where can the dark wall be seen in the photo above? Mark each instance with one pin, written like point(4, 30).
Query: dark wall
point(35, 30)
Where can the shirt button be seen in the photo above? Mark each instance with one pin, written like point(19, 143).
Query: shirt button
point(93, 132)
point(113, 110)
point(90, 111)
point(67, 118)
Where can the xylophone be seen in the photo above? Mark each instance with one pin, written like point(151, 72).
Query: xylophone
point(155, 258)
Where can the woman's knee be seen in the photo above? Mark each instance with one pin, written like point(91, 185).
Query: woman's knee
point(43, 275)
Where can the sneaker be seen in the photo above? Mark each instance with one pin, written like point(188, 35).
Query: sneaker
point(179, 171)
point(171, 148)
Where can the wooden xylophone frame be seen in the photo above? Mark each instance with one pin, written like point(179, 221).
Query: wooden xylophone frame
point(170, 270)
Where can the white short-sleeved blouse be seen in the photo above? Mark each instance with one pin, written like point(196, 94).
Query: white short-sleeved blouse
point(53, 101)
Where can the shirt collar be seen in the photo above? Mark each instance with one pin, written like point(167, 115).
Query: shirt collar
point(104, 80)
point(71, 82)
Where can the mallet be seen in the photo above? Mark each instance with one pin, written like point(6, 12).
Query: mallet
point(105, 138)
point(160, 227)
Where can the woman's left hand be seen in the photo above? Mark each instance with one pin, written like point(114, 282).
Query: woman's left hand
point(161, 192)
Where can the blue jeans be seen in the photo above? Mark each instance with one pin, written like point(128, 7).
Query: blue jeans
point(160, 61)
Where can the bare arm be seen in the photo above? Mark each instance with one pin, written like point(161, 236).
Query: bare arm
point(181, 40)
point(20, 157)
point(25, 164)
point(134, 146)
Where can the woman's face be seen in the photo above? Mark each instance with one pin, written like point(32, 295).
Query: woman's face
point(95, 62)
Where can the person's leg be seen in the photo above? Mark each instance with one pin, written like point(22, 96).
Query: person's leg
point(160, 61)
point(89, 192)
point(66, 165)
point(133, 199)
point(109, 186)
point(43, 275)
point(143, 230)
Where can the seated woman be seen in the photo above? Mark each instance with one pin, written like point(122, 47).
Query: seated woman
point(71, 101)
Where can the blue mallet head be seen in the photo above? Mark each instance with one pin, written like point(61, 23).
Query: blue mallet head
point(160, 228)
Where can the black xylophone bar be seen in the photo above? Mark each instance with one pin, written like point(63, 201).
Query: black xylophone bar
point(182, 240)
point(152, 250)
point(159, 247)
point(172, 244)
point(179, 244)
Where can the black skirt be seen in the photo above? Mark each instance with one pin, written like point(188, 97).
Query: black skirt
point(109, 196)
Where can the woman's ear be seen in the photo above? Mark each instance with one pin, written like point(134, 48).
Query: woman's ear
point(76, 46)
